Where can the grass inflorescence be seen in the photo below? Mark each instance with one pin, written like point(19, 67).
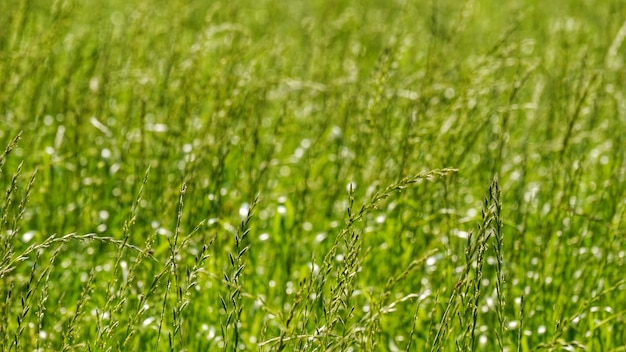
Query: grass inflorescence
point(324, 175)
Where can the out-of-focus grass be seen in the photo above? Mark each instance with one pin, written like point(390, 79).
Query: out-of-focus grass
point(255, 175)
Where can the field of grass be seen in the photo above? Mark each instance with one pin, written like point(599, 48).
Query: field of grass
point(312, 175)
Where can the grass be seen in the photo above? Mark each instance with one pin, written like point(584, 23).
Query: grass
point(324, 175)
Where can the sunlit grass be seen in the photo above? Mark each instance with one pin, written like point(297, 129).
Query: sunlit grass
point(324, 175)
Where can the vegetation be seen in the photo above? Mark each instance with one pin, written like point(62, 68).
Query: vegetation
point(313, 175)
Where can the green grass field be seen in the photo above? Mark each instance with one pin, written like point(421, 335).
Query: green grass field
point(316, 175)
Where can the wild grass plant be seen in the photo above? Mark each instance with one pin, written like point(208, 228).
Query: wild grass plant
point(310, 176)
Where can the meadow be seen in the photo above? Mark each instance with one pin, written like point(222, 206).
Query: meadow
point(271, 175)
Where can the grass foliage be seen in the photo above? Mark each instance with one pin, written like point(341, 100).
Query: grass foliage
point(309, 176)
